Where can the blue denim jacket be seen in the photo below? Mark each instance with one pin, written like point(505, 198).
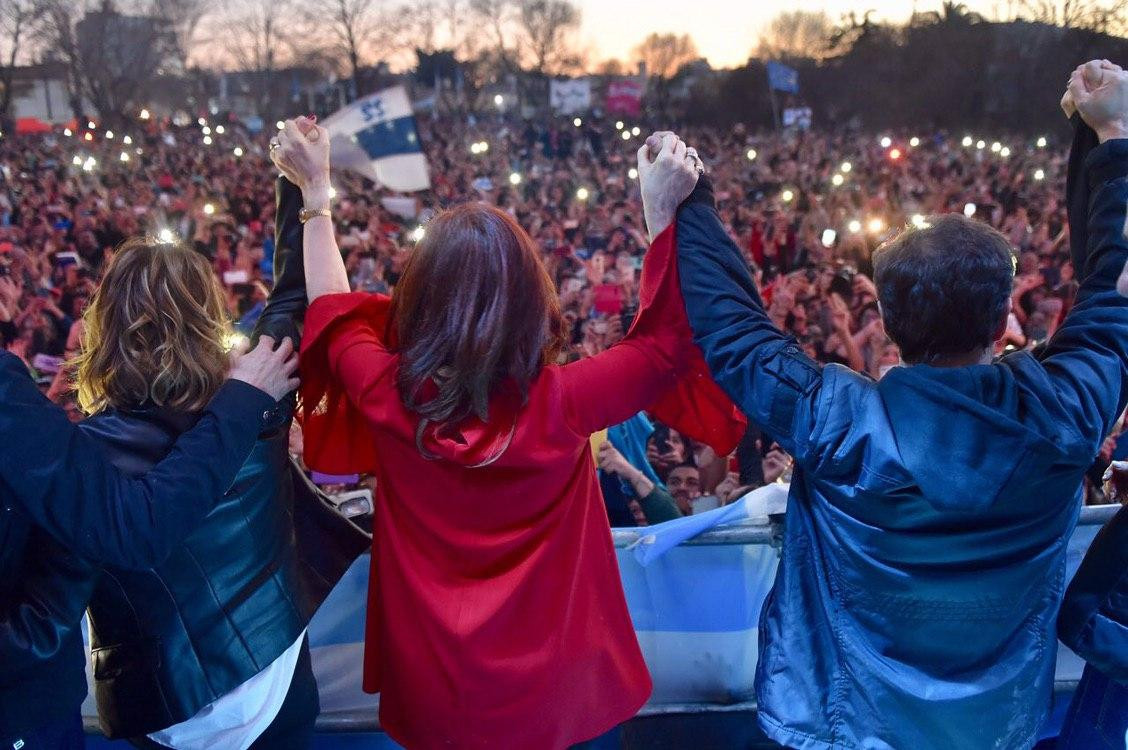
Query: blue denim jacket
point(924, 551)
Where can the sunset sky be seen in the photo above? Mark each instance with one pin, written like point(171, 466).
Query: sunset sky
point(725, 30)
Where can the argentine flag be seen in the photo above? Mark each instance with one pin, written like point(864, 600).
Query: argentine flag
point(376, 137)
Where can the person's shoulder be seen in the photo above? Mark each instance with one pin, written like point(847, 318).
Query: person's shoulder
point(845, 397)
point(843, 383)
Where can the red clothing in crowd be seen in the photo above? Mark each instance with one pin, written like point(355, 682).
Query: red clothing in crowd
point(496, 615)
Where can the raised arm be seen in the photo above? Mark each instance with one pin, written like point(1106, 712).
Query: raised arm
point(286, 305)
point(301, 152)
point(647, 362)
point(760, 368)
point(1087, 358)
point(59, 478)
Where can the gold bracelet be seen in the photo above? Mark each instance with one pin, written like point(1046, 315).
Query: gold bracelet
point(308, 213)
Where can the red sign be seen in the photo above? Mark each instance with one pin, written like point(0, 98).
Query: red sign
point(624, 97)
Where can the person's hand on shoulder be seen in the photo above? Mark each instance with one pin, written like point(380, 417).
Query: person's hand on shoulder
point(266, 368)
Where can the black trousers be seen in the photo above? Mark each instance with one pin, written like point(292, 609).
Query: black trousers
point(292, 728)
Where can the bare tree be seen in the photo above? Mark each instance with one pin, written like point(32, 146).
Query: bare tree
point(544, 30)
point(495, 18)
point(17, 23)
point(611, 67)
point(56, 33)
point(258, 37)
point(1103, 16)
point(114, 52)
point(456, 15)
point(182, 19)
point(796, 34)
point(358, 31)
point(951, 13)
point(426, 23)
point(664, 55)
point(121, 57)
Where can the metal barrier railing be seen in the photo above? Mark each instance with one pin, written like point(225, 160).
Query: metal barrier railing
point(1091, 515)
point(366, 720)
point(361, 721)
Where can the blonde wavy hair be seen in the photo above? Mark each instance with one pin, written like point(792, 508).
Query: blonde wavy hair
point(155, 331)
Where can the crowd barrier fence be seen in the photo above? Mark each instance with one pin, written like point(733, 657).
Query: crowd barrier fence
point(695, 610)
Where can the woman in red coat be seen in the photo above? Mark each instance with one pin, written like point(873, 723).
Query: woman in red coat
point(496, 614)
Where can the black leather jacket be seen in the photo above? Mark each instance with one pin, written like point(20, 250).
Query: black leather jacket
point(229, 600)
point(167, 641)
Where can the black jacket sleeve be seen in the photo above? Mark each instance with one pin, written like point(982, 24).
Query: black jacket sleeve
point(285, 307)
point(1087, 357)
point(1077, 193)
point(59, 478)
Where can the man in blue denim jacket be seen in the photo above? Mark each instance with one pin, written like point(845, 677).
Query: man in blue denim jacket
point(924, 551)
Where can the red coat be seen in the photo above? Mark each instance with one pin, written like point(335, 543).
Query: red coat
point(496, 616)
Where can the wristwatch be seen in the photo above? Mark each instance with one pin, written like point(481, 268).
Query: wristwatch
point(306, 214)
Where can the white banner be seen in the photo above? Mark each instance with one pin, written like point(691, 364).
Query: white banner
point(570, 96)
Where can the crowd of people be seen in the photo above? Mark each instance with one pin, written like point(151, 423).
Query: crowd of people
point(922, 576)
point(807, 209)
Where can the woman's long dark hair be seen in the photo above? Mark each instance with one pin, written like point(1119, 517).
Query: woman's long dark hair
point(474, 309)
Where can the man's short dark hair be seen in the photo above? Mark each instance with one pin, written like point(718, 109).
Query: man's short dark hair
point(944, 287)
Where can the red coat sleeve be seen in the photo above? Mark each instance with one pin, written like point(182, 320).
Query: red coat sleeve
point(656, 367)
point(344, 358)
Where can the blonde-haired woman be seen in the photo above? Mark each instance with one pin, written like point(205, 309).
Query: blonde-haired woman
point(208, 649)
point(156, 332)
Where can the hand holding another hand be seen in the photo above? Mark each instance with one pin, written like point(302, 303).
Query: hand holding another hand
point(1099, 92)
point(667, 173)
point(301, 153)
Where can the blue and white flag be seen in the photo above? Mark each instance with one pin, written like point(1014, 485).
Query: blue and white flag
point(783, 78)
point(376, 137)
point(695, 610)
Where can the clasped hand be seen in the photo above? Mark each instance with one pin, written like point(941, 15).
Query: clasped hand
point(667, 171)
point(301, 153)
point(1098, 91)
